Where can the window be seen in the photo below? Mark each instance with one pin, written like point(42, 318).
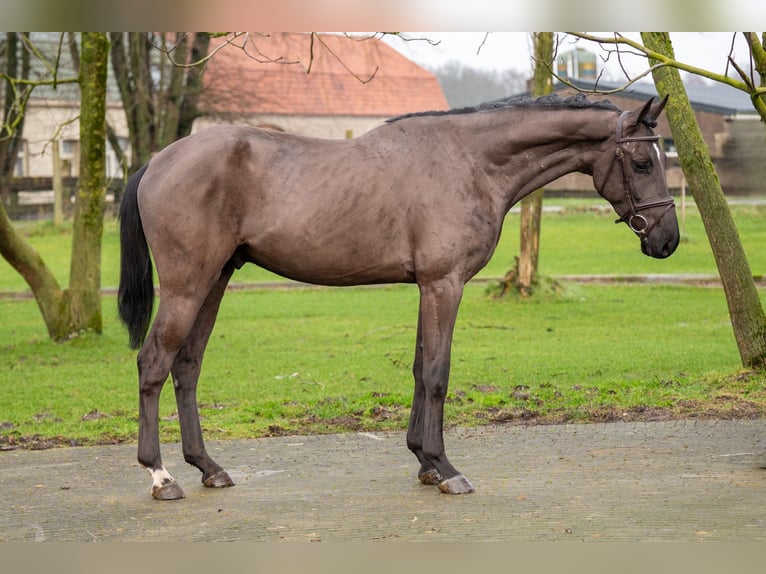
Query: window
point(69, 148)
point(669, 147)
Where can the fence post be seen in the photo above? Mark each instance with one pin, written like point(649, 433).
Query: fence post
point(58, 186)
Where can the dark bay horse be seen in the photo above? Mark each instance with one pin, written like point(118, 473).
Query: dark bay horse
point(420, 199)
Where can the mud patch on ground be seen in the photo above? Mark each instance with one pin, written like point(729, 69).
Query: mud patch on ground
point(720, 407)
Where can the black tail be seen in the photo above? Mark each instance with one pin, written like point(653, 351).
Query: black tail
point(135, 296)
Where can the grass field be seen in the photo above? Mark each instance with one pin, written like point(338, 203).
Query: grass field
point(324, 360)
point(579, 240)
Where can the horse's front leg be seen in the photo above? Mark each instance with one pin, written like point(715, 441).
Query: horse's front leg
point(186, 371)
point(427, 473)
point(439, 301)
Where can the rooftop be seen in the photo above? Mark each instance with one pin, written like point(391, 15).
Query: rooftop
point(326, 74)
point(716, 97)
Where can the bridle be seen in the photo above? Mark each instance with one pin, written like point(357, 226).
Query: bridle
point(637, 222)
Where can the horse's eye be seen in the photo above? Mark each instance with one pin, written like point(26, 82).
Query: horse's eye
point(643, 167)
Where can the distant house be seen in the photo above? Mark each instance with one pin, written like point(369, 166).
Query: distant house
point(354, 84)
point(331, 86)
point(730, 127)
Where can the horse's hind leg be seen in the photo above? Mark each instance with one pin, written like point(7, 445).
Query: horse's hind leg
point(185, 371)
point(175, 319)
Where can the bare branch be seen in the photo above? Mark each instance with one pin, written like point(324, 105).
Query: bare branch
point(619, 40)
point(747, 78)
point(51, 68)
point(731, 53)
point(595, 90)
point(162, 47)
point(483, 41)
point(342, 63)
point(406, 38)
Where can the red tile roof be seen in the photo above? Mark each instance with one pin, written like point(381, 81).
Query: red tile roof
point(347, 76)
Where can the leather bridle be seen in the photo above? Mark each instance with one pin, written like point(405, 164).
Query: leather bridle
point(637, 222)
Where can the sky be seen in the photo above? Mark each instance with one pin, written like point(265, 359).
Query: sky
point(511, 50)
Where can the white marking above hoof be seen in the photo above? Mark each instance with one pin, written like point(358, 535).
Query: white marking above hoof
point(164, 486)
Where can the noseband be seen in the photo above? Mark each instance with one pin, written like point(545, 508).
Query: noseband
point(637, 222)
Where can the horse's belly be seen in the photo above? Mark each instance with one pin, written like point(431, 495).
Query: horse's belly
point(339, 267)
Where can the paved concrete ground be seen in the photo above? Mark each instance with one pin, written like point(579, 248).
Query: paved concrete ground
point(681, 480)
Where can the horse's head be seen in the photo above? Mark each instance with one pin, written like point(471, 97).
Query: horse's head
point(630, 174)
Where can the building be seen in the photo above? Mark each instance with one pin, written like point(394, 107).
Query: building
point(731, 128)
point(328, 85)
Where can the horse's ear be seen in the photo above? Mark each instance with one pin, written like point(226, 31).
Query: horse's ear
point(657, 110)
point(649, 113)
point(642, 113)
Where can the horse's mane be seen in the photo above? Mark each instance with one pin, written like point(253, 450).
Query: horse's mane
point(578, 101)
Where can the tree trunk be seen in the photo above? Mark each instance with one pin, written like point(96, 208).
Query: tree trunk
point(524, 276)
point(142, 93)
point(119, 61)
point(13, 247)
point(24, 259)
point(189, 110)
point(759, 60)
point(747, 315)
point(170, 111)
point(529, 242)
point(58, 184)
point(85, 274)
point(12, 118)
point(78, 308)
point(160, 107)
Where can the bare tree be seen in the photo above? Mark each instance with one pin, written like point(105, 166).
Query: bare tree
point(67, 312)
point(159, 76)
point(465, 86)
point(15, 92)
point(523, 277)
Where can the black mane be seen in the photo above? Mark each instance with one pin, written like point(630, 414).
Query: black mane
point(578, 101)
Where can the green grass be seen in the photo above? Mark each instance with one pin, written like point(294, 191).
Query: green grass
point(320, 360)
point(579, 241)
point(325, 360)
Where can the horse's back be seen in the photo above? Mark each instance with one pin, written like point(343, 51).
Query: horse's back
point(379, 208)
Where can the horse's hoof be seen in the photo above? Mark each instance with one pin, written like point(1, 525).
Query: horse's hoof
point(456, 485)
point(169, 491)
point(430, 477)
point(220, 479)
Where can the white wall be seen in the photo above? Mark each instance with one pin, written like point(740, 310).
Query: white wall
point(332, 127)
point(48, 120)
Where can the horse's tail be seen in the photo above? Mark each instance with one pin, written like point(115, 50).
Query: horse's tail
point(135, 296)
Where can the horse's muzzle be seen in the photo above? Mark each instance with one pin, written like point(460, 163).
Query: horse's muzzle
point(659, 246)
point(663, 238)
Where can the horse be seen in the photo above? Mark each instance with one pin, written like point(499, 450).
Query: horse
point(419, 199)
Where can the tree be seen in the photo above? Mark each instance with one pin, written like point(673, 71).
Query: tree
point(160, 80)
point(464, 86)
point(523, 276)
point(14, 92)
point(165, 81)
point(67, 312)
point(747, 315)
point(752, 82)
point(88, 225)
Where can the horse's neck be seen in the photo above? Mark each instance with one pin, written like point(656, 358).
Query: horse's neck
point(523, 149)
